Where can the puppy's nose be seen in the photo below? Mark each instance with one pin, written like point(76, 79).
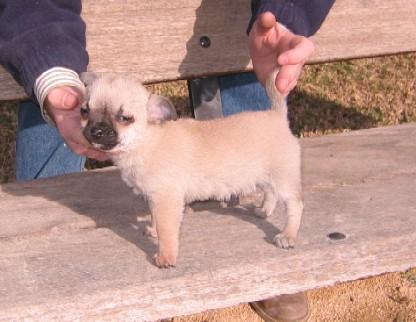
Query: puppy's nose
point(101, 130)
point(96, 132)
point(101, 135)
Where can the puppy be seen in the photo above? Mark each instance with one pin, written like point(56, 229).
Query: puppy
point(177, 162)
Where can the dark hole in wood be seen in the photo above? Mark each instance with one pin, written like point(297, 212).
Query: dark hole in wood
point(336, 236)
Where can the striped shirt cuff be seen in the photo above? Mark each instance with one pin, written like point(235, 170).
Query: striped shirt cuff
point(52, 78)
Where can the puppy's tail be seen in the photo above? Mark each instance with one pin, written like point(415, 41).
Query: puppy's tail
point(277, 100)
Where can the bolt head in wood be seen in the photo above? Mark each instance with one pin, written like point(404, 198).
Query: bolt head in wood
point(205, 42)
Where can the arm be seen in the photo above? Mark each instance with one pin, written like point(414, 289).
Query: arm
point(36, 36)
point(302, 17)
point(42, 45)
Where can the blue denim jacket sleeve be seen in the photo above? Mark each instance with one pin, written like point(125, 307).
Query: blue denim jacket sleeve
point(303, 17)
point(38, 35)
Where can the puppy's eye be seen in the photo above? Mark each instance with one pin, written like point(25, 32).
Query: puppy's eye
point(85, 111)
point(125, 119)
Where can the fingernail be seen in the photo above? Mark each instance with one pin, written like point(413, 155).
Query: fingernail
point(70, 101)
point(283, 83)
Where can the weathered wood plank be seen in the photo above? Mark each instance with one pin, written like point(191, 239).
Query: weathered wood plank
point(159, 40)
point(72, 247)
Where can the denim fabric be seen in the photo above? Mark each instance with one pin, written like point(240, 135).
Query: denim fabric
point(303, 17)
point(40, 150)
point(242, 92)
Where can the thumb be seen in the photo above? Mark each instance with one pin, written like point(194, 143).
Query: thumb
point(265, 22)
point(265, 32)
point(65, 98)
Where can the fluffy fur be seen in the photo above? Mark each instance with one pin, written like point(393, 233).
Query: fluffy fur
point(176, 162)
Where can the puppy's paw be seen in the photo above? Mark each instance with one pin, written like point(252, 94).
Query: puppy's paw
point(233, 201)
point(284, 241)
point(150, 232)
point(163, 261)
point(223, 204)
point(188, 210)
point(260, 212)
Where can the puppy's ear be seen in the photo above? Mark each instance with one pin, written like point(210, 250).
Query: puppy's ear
point(160, 109)
point(88, 78)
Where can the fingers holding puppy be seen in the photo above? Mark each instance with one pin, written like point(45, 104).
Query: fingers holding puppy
point(63, 106)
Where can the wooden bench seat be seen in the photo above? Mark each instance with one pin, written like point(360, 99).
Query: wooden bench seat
point(72, 247)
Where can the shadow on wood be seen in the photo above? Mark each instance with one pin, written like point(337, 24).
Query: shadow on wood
point(219, 29)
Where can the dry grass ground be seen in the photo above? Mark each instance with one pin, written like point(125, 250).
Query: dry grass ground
point(330, 98)
point(390, 297)
point(387, 298)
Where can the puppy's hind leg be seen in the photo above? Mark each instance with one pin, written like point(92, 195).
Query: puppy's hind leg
point(269, 202)
point(167, 211)
point(294, 209)
point(290, 191)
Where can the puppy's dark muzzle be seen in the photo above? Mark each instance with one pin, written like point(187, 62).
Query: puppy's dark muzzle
point(101, 134)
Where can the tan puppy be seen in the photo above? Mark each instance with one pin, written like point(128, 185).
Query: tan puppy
point(176, 162)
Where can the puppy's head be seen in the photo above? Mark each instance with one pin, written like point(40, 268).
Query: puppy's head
point(118, 110)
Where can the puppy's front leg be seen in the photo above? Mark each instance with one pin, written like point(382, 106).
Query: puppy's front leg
point(167, 211)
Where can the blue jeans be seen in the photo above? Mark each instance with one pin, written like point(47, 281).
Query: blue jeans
point(242, 92)
point(40, 150)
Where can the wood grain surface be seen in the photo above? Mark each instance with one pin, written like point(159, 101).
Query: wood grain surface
point(72, 247)
point(160, 40)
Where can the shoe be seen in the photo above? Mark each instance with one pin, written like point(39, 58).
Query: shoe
point(283, 308)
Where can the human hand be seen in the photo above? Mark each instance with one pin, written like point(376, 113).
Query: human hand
point(271, 45)
point(63, 106)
